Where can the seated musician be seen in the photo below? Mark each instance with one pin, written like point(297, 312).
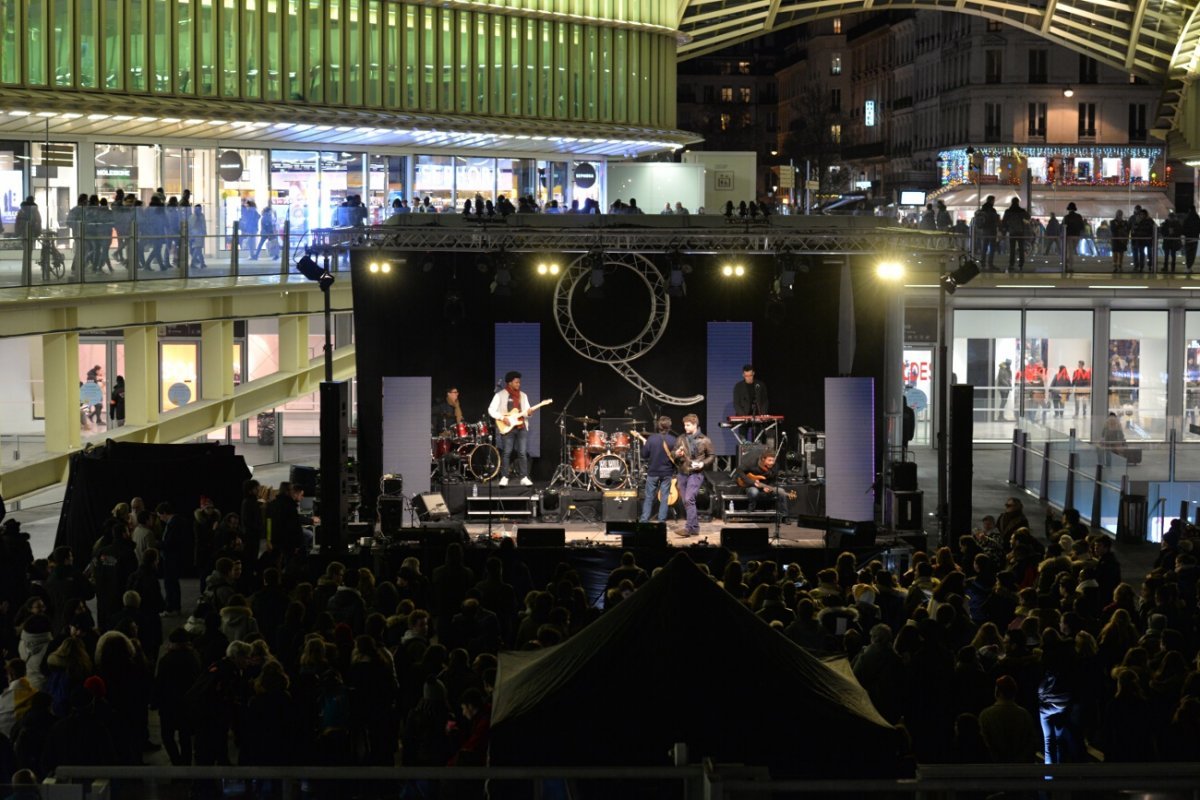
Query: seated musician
point(750, 399)
point(447, 413)
point(758, 473)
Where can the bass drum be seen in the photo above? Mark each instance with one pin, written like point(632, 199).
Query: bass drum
point(481, 461)
point(609, 472)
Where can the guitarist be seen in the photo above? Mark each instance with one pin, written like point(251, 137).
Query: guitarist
point(660, 469)
point(506, 400)
point(758, 473)
point(693, 455)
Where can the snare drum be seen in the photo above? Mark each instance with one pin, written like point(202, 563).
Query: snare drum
point(581, 460)
point(482, 430)
point(597, 442)
point(619, 442)
point(462, 431)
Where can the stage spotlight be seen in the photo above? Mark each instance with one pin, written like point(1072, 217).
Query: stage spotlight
point(374, 266)
point(727, 270)
point(542, 269)
point(889, 270)
point(739, 270)
point(966, 272)
point(786, 282)
point(547, 267)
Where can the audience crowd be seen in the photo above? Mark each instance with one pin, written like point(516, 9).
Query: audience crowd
point(1005, 648)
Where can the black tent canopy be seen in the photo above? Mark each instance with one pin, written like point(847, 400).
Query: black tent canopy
point(681, 660)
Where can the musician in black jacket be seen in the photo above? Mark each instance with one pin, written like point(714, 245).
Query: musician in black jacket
point(749, 399)
point(693, 455)
point(758, 473)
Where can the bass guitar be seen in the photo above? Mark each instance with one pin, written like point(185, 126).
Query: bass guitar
point(511, 419)
point(673, 496)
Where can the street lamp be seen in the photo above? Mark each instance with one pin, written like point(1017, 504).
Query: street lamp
point(949, 282)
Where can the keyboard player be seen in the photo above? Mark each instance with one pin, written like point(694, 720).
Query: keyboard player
point(749, 400)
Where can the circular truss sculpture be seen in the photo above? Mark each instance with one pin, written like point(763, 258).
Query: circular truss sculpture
point(618, 357)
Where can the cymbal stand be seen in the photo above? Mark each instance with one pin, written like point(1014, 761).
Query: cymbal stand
point(564, 475)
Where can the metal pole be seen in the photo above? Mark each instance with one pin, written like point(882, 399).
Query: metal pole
point(237, 246)
point(807, 191)
point(943, 420)
point(286, 255)
point(325, 287)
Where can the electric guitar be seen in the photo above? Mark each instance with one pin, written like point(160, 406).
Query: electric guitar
point(673, 495)
point(513, 418)
point(755, 479)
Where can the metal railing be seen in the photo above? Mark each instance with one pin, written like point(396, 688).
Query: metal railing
point(706, 781)
point(1066, 254)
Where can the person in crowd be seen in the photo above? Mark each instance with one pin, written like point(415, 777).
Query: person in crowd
point(1073, 228)
point(1190, 228)
point(1015, 223)
point(177, 554)
point(1170, 234)
point(1008, 729)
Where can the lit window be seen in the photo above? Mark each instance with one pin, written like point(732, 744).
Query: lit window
point(835, 66)
point(835, 134)
point(744, 67)
point(837, 24)
point(747, 119)
point(744, 94)
point(726, 94)
point(726, 121)
point(869, 114)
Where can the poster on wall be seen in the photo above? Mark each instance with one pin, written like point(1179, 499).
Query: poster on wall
point(1124, 372)
point(918, 378)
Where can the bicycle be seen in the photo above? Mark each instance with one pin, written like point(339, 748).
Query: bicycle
point(53, 262)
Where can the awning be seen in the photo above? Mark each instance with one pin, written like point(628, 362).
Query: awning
point(1094, 204)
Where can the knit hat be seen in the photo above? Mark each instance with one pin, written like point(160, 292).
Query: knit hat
point(1071, 207)
point(96, 687)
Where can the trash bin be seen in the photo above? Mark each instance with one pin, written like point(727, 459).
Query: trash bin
point(1131, 518)
point(266, 428)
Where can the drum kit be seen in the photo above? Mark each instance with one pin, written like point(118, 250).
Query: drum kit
point(465, 450)
point(598, 459)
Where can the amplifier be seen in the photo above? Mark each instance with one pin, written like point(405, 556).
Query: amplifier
point(620, 505)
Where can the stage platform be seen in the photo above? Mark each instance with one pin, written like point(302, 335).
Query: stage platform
point(592, 534)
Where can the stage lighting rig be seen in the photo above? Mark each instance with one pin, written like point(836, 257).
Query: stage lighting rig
point(732, 270)
point(676, 282)
point(548, 265)
point(968, 268)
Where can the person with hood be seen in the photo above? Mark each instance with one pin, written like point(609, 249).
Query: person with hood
point(17, 696)
point(33, 649)
point(1016, 223)
point(114, 564)
point(237, 620)
point(347, 605)
point(881, 672)
point(66, 669)
point(221, 584)
point(987, 223)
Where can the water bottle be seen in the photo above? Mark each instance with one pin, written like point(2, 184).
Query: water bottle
point(731, 506)
point(474, 490)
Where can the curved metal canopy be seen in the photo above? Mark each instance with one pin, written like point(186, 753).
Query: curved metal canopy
point(1155, 39)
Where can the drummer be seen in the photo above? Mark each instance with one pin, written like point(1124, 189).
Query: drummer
point(447, 413)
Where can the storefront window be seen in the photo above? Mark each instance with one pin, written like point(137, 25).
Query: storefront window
point(1058, 345)
point(987, 354)
point(1137, 372)
point(294, 185)
point(54, 181)
point(12, 180)
point(433, 177)
point(474, 176)
point(386, 178)
point(341, 176)
point(1191, 373)
point(250, 185)
point(179, 370)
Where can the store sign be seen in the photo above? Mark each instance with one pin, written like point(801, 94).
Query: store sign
point(230, 166)
point(114, 172)
point(585, 175)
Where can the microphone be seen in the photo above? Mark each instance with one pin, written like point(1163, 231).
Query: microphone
point(581, 389)
point(641, 398)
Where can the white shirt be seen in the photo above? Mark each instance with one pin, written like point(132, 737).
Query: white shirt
point(499, 406)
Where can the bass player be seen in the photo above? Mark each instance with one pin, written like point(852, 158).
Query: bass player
point(510, 406)
point(660, 470)
point(693, 455)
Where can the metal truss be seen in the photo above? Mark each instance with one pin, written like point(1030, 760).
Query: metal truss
point(829, 236)
point(618, 357)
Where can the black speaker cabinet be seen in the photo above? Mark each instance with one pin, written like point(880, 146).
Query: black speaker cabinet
point(391, 515)
point(961, 454)
point(541, 537)
point(621, 506)
point(444, 532)
point(907, 510)
point(904, 476)
point(846, 533)
point(638, 534)
point(335, 491)
point(746, 538)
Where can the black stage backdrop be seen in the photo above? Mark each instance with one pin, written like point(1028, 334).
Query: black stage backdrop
point(405, 327)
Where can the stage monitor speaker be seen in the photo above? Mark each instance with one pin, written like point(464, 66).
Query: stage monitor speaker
point(907, 510)
point(444, 532)
point(541, 537)
point(748, 538)
point(620, 505)
point(551, 504)
point(961, 466)
point(847, 533)
point(638, 534)
point(431, 507)
point(904, 476)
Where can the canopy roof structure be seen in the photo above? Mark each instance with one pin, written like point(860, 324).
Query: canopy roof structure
point(1155, 39)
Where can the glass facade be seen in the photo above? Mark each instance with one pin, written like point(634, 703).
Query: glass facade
point(406, 56)
point(1137, 372)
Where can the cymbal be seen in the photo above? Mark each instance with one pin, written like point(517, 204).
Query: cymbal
point(576, 438)
point(586, 420)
